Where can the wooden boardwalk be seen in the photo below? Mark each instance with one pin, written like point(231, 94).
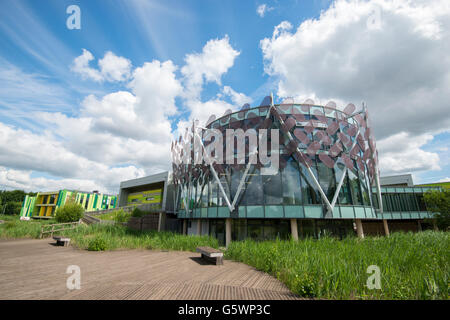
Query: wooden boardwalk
point(36, 269)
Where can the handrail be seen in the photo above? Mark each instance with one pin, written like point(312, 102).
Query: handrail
point(73, 225)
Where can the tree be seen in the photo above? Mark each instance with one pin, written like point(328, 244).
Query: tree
point(438, 202)
point(11, 201)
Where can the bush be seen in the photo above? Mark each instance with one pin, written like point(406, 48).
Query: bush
point(439, 203)
point(97, 244)
point(121, 216)
point(70, 212)
point(137, 213)
point(12, 208)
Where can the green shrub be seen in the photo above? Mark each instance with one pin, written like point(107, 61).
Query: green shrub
point(97, 244)
point(12, 208)
point(137, 213)
point(121, 216)
point(70, 212)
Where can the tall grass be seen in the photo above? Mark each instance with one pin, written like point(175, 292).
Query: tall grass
point(413, 266)
point(13, 228)
point(120, 237)
point(117, 216)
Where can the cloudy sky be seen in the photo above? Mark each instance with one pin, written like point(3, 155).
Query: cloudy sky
point(87, 108)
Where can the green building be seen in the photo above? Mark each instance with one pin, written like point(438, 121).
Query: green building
point(44, 204)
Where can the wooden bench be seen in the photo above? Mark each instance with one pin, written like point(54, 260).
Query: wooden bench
point(211, 254)
point(62, 241)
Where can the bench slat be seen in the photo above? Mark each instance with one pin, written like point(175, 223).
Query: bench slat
point(210, 252)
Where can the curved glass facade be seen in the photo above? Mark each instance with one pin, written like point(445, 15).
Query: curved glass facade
point(317, 146)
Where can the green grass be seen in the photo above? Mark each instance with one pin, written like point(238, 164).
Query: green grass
point(13, 228)
point(117, 216)
point(112, 237)
point(413, 266)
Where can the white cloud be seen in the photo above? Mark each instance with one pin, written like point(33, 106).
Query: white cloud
point(24, 151)
point(262, 9)
point(237, 98)
point(390, 54)
point(81, 66)
point(402, 153)
point(447, 179)
point(215, 59)
point(117, 136)
point(156, 87)
point(22, 180)
point(112, 67)
point(400, 70)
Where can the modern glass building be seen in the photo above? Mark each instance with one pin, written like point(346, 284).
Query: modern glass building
point(326, 179)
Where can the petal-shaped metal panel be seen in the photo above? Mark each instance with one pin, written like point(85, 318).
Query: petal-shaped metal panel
point(326, 160)
point(349, 109)
point(301, 135)
point(332, 127)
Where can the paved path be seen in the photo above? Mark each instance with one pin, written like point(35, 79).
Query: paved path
point(36, 269)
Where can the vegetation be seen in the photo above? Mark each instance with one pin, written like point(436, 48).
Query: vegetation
point(70, 212)
point(439, 202)
point(111, 237)
point(13, 228)
point(119, 216)
point(413, 266)
point(97, 244)
point(444, 185)
point(11, 201)
point(137, 213)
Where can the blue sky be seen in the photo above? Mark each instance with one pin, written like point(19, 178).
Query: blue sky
point(317, 49)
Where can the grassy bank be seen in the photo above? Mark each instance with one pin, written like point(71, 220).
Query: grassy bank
point(117, 216)
point(111, 237)
point(412, 266)
point(13, 228)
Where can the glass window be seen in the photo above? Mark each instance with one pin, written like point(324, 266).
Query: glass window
point(272, 188)
point(365, 190)
point(254, 229)
point(307, 228)
point(421, 201)
point(310, 192)
point(236, 175)
point(344, 194)
point(355, 188)
point(213, 200)
point(395, 202)
point(413, 202)
point(239, 229)
point(253, 192)
point(224, 180)
point(217, 230)
point(291, 183)
point(327, 179)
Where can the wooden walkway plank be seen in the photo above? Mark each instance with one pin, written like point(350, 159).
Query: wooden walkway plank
point(36, 269)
